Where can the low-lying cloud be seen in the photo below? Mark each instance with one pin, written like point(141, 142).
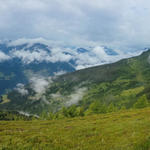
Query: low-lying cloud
point(93, 56)
point(39, 83)
point(76, 96)
point(21, 89)
point(61, 72)
point(72, 98)
point(4, 57)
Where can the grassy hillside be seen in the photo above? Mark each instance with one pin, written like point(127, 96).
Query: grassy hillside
point(127, 130)
point(120, 84)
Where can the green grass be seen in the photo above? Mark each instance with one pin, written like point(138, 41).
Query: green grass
point(5, 99)
point(126, 130)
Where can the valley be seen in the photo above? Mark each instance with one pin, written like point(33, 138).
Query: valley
point(118, 85)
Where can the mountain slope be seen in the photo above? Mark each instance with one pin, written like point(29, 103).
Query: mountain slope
point(20, 61)
point(121, 83)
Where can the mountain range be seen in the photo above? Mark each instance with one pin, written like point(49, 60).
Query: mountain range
point(19, 62)
point(121, 83)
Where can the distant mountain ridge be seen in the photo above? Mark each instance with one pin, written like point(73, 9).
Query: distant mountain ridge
point(19, 61)
point(121, 84)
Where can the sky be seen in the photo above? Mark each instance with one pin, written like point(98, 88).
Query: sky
point(123, 24)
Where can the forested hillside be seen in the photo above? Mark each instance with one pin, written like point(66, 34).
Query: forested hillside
point(105, 88)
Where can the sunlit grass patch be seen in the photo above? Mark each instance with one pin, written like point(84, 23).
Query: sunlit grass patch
point(127, 130)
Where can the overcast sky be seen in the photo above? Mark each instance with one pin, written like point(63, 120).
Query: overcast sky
point(117, 23)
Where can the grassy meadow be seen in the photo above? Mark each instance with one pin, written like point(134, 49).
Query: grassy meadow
point(124, 130)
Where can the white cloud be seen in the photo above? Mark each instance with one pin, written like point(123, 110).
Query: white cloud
point(39, 55)
point(58, 55)
point(28, 56)
point(75, 97)
point(95, 55)
point(99, 52)
point(71, 99)
point(61, 72)
point(39, 83)
point(115, 23)
point(3, 56)
point(21, 89)
point(28, 114)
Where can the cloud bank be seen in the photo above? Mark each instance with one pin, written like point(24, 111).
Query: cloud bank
point(29, 51)
point(124, 23)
